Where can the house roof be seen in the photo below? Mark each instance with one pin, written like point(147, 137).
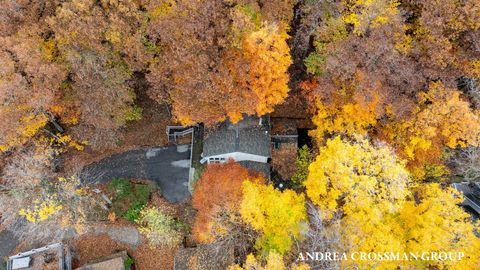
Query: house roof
point(263, 168)
point(204, 257)
point(471, 194)
point(54, 256)
point(113, 262)
point(247, 136)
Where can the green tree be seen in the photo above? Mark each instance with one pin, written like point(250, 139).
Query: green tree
point(304, 158)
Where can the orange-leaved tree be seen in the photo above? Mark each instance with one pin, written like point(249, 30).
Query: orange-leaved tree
point(268, 57)
point(217, 62)
point(218, 194)
point(29, 82)
point(442, 118)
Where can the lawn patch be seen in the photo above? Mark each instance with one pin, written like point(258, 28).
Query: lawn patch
point(128, 198)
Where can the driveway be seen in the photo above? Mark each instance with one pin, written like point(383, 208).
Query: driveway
point(166, 166)
point(8, 242)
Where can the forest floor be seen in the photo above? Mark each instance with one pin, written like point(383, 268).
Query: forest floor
point(91, 246)
point(106, 238)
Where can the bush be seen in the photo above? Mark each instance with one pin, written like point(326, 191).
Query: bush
point(128, 263)
point(133, 114)
point(129, 199)
point(304, 158)
point(314, 63)
point(121, 187)
point(160, 228)
point(142, 193)
point(133, 213)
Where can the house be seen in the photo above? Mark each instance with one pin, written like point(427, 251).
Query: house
point(117, 261)
point(247, 142)
point(54, 256)
point(471, 195)
point(204, 257)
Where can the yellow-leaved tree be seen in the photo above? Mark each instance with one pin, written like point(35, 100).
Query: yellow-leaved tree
point(356, 172)
point(363, 14)
point(435, 223)
point(442, 119)
point(278, 216)
point(347, 114)
point(274, 261)
point(368, 190)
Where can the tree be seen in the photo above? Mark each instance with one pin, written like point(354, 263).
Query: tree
point(364, 186)
point(365, 192)
point(371, 65)
point(304, 158)
point(209, 67)
point(434, 222)
point(50, 207)
point(356, 172)
point(279, 216)
point(17, 14)
point(101, 43)
point(273, 261)
point(361, 184)
point(465, 163)
point(21, 174)
point(441, 119)
point(435, 28)
point(321, 238)
point(359, 51)
point(368, 14)
point(267, 59)
point(347, 116)
point(159, 228)
point(28, 86)
point(30, 166)
point(218, 194)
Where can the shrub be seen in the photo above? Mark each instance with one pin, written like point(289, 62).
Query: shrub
point(128, 263)
point(121, 187)
point(133, 213)
point(314, 63)
point(160, 228)
point(142, 193)
point(304, 158)
point(129, 199)
point(133, 114)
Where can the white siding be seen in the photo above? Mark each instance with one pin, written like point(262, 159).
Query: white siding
point(237, 156)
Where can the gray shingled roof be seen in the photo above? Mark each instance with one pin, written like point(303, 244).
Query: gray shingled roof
point(247, 136)
point(204, 257)
point(471, 194)
point(263, 168)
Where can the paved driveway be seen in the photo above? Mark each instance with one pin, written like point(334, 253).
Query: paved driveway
point(167, 166)
point(8, 242)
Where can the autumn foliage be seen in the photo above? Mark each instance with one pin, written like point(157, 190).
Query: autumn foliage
point(213, 67)
point(365, 191)
point(390, 90)
point(279, 216)
point(218, 192)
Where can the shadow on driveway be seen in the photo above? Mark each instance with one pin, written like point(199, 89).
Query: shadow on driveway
point(167, 166)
